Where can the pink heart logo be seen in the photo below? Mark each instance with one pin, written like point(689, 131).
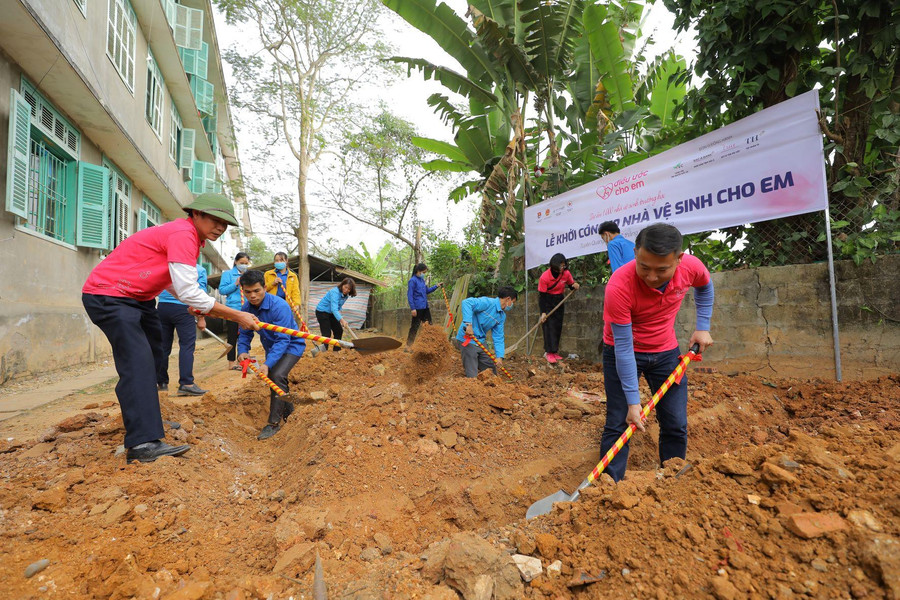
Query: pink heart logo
point(606, 192)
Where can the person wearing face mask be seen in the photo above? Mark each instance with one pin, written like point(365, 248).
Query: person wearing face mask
point(281, 278)
point(328, 310)
point(229, 287)
point(417, 296)
point(641, 302)
point(551, 286)
point(619, 249)
point(480, 315)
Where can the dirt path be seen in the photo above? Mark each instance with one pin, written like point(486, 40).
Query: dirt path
point(412, 482)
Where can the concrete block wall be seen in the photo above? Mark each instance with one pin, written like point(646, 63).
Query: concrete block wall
point(771, 320)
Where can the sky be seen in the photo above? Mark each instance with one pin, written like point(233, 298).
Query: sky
point(406, 97)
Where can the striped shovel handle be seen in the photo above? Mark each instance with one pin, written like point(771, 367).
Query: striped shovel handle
point(304, 335)
point(447, 305)
point(490, 355)
point(249, 364)
point(294, 307)
point(675, 377)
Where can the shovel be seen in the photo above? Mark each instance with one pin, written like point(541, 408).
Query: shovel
point(369, 345)
point(248, 363)
point(512, 348)
point(470, 338)
point(545, 505)
point(228, 347)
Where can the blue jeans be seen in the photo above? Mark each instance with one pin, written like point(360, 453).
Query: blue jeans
point(671, 411)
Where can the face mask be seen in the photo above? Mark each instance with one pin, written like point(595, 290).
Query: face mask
point(422, 275)
point(508, 307)
point(280, 266)
point(241, 267)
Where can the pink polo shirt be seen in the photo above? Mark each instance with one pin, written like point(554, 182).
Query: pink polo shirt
point(650, 312)
point(554, 285)
point(139, 267)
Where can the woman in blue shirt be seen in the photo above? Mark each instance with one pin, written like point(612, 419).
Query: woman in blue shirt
point(328, 310)
point(417, 295)
point(228, 287)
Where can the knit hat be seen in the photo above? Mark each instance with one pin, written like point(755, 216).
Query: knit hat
point(217, 205)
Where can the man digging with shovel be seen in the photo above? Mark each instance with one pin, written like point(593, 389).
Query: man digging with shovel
point(282, 350)
point(641, 302)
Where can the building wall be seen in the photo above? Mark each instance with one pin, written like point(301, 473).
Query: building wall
point(43, 325)
point(772, 320)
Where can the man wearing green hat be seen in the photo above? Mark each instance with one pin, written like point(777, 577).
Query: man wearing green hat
point(119, 297)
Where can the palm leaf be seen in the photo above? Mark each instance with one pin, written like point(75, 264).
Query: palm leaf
point(439, 147)
point(612, 64)
point(450, 31)
point(466, 189)
point(499, 40)
point(448, 78)
point(447, 111)
point(668, 88)
point(447, 166)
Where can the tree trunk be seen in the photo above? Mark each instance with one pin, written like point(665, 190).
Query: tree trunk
point(418, 249)
point(303, 233)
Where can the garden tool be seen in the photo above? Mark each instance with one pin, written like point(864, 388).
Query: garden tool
point(447, 304)
point(248, 363)
point(369, 345)
point(545, 505)
point(294, 308)
point(470, 338)
point(512, 348)
point(228, 347)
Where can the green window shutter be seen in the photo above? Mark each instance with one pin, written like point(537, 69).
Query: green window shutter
point(92, 229)
point(17, 169)
point(204, 94)
point(196, 62)
point(210, 121)
point(204, 179)
point(142, 220)
point(171, 17)
point(188, 140)
point(188, 27)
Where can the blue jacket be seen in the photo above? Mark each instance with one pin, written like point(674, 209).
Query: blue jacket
point(417, 293)
point(276, 311)
point(485, 315)
point(621, 251)
point(201, 283)
point(333, 302)
point(228, 287)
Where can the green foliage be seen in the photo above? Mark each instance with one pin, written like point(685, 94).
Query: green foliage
point(259, 251)
point(882, 236)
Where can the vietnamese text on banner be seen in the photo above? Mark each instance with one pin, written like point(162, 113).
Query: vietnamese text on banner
point(766, 166)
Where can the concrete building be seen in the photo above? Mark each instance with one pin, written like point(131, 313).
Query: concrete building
point(113, 115)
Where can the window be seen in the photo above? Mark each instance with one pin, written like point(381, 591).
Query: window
point(82, 6)
point(188, 30)
point(120, 39)
point(196, 62)
point(55, 195)
point(169, 8)
point(204, 178)
point(149, 215)
point(153, 104)
point(175, 127)
point(203, 95)
point(119, 203)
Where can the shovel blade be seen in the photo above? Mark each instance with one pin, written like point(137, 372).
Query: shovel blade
point(545, 505)
point(227, 349)
point(371, 345)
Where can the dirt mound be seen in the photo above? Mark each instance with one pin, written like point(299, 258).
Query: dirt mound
point(432, 355)
point(420, 491)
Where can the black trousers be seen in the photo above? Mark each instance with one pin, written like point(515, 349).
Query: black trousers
point(172, 318)
point(134, 332)
point(279, 374)
point(330, 327)
point(552, 327)
point(423, 315)
point(231, 330)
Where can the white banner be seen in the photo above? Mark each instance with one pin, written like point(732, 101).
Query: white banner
point(765, 166)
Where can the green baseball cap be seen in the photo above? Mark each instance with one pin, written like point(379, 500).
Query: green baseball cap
point(217, 205)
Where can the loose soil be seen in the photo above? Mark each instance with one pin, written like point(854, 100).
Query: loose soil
point(410, 481)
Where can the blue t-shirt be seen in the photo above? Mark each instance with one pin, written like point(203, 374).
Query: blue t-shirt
point(621, 251)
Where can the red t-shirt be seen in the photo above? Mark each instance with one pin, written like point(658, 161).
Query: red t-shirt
point(650, 312)
point(554, 285)
point(139, 267)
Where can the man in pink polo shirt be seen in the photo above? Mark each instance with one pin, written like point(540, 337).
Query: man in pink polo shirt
point(119, 297)
point(641, 302)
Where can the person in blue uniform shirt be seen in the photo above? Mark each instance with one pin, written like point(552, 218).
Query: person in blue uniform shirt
point(479, 316)
point(282, 350)
point(228, 287)
point(174, 316)
point(328, 310)
point(619, 249)
point(417, 295)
